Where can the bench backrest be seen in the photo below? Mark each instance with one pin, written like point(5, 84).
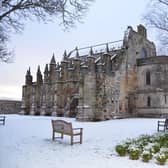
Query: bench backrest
point(62, 126)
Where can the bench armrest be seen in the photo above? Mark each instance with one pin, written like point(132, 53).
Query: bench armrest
point(77, 128)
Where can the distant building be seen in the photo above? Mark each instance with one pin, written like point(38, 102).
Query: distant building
point(113, 83)
point(10, 106)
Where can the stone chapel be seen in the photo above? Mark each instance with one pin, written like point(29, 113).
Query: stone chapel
point(129, 80)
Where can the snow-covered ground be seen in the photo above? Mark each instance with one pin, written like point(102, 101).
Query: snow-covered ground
point(25, 142)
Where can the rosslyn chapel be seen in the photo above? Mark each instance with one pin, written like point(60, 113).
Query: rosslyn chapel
point(124, 78)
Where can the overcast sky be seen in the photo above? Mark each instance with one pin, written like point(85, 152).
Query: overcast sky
point(106, 21)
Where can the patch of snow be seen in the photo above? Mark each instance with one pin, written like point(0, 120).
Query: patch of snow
point(113, 56)
point(10, 98)
point(98, 59)
point(25, 142)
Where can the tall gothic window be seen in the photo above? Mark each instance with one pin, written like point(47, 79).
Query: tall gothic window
point(148, 78)
point(143, 53)
point(148, 101)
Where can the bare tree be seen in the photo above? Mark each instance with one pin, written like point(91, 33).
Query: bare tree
point(157, 17)
point(14, 13)
point(5, 54)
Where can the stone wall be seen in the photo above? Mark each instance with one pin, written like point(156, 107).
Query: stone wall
point(10, 106)
point(152, 90)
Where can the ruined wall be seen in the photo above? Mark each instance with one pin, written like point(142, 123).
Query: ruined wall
point(10, 106)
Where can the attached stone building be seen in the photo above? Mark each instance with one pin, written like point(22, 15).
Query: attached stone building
point(113, 83)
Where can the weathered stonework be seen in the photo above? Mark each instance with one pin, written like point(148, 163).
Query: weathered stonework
point(151, 97)
point(113, 83)
point(10, 106)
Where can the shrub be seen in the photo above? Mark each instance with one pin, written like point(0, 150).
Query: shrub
point(156, 147)
point(144, 140)
point(146, 156)
point(134, 152)
point(161, 158)
point(146, 146)
point(128, 143)
point(165, 151)
point(121, 150)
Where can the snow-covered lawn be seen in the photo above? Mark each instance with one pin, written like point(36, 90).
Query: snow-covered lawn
point(25, 142)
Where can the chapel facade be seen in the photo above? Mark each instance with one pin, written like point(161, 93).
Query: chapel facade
point(115, 82)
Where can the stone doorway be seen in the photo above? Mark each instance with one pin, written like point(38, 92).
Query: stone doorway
point(73, 107)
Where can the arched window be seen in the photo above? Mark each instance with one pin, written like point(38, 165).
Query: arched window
point(148, 101)
point(143, 53)
point(148, 78)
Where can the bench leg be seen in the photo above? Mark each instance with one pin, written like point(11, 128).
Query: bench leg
point(62, 135)
point(161, 128)
point(164, 128)
point(53, 136)
point(71, 139)
point(81, 138)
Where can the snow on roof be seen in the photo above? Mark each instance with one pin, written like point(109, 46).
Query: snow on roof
point(98, 59)
point(70, 69)
point(113, 56)
point(84, 66)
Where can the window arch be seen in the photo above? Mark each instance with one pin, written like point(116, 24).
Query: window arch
point(148, 101)
point(143, 53)
point(148, 78)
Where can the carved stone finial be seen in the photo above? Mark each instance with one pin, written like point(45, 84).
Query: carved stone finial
point(53, 59)
point(77, 53)
point(65, 54)
point(107, 48)
point(91, 52)
point(46, 69)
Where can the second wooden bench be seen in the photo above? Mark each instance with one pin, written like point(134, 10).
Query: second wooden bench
point(162, 125)
point(2, 120)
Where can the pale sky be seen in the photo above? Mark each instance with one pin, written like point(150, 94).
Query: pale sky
point(106, 21)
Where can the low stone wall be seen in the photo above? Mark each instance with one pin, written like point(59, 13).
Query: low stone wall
point(10, 106)
point(152, 112)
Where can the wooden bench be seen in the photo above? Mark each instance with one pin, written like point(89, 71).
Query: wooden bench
point(2, 120)
point(65, 128)
point(162, 125)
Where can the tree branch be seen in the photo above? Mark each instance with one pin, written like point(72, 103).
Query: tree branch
point(13, 13)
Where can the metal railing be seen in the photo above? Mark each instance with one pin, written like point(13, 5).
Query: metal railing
point(93, 47)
